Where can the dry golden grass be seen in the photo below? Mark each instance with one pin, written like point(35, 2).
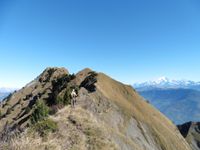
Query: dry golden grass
point(78, 129)
point(114, 117)
point(28, 142)
point(163, 130)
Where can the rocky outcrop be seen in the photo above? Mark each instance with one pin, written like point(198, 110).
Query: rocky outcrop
point(191, 132)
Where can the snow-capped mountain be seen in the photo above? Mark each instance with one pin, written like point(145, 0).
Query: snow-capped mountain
point(164, 82)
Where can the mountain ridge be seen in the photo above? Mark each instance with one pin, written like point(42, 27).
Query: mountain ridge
point(107, 115)
point(164, 82)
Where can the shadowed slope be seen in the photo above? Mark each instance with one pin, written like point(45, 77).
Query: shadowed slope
point(191, 132)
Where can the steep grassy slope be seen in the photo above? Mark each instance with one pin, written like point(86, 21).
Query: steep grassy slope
point(154, 124)
point(108, 115)
point(174, 102)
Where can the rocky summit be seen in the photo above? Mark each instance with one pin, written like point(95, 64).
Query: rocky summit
point(108, 115)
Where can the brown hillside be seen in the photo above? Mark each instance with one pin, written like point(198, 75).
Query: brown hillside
point(108, 115)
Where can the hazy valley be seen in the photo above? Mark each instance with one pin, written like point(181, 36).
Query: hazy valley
point(173, 98)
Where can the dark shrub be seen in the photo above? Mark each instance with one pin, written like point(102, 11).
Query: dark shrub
point(8, 111)
point(45, 126)
point(27, 110)
point(67, 97)
point(89, 82)
point(59, 85)
point(41, 111)
point(65, 100)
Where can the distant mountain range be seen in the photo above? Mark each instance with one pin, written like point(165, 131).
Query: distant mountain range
point(173, 98)
point(164, 82)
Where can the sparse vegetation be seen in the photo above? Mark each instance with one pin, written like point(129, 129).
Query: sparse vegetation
point(50, 73)
point(45, 126)
point(93, 73)
point(8, 111)
point(65, 100)
point(67, 97)
point(61, 101)
point(89, 82)
point(41, 112)
point(27, 110)
point(39, 120)
point(59, 85)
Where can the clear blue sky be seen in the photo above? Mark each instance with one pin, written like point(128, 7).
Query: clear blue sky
point(130, 40)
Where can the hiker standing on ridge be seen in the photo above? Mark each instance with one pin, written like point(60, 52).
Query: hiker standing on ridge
point(73, 98)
